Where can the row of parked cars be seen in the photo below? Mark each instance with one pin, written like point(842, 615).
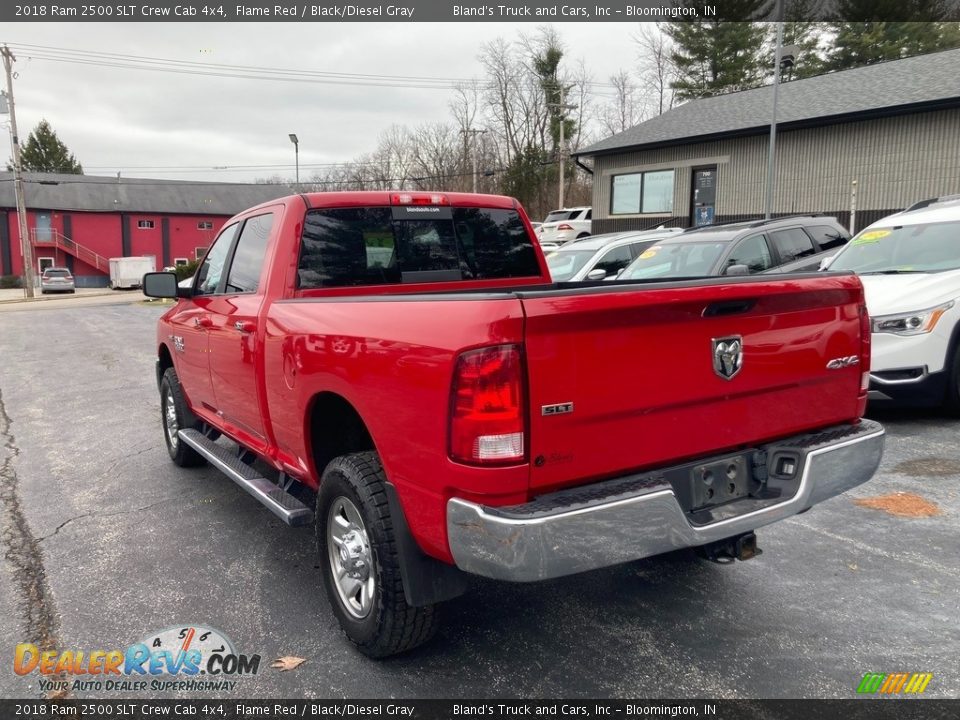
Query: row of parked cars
point(909, 264)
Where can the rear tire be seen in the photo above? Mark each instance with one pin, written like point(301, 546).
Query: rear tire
point(359, 560)
point(174, 416)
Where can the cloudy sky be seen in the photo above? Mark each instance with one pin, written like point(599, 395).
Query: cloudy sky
point(141, 121)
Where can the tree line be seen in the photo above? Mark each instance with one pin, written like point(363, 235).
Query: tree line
point(503, 130)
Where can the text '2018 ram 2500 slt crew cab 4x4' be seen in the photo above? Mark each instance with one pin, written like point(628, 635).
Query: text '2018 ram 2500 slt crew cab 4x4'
point(437, 408)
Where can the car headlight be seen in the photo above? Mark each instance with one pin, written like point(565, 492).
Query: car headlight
point(912, 323)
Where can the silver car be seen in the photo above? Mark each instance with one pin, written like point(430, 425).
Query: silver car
point(56, 279)
point(601, 257)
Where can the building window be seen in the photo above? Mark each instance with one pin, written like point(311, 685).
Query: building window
point(200, 252)
point(205, 225)
point(641, 193)
point(145, 224)
point(180, 261)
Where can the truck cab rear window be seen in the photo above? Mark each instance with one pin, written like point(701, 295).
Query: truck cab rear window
point(382, 245)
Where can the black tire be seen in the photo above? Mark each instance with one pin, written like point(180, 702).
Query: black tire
point(390, 626)
point(181, 453)
point(951, 401)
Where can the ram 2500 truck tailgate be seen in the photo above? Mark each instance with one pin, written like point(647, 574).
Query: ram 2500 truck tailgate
point(629, 378)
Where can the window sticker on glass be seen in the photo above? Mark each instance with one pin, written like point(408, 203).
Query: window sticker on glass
point(872, 236)
point(649, 253)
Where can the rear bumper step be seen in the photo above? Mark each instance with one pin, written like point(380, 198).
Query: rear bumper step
point(281, 503)
point(639, 516)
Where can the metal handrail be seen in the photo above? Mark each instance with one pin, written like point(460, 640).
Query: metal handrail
point(52, 236)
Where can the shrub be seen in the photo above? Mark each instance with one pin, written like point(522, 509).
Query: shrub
point(188, 270)
point(9, 282)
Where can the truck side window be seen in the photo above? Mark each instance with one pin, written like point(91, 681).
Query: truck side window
point(211, 270)
point(247, 260)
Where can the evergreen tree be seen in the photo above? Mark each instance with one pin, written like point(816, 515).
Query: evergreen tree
point(719, 55)
point(861, 40)
point(44, 152)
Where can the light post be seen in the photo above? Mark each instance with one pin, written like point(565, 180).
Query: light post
point(561, 155)
point(473, 134)
point(783, 57)
point(296, 155)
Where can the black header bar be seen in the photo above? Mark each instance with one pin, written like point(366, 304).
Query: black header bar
point(531, 11)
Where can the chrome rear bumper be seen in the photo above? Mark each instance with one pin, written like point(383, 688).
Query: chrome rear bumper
point(587, 528)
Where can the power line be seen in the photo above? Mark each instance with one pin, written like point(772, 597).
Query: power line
point(248, 72)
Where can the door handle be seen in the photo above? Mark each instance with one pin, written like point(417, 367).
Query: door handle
point(203, 322)
point(245, 326)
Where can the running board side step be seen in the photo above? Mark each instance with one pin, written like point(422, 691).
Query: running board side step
point(281, 503)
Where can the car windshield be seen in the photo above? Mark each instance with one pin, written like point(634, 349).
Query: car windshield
point(934, 247)
point(564, 264)
point(558, 215)
point(682, 259)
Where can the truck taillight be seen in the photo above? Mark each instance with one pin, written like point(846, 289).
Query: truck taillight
point(865, 339)
point(487, 416)
point(419, 199)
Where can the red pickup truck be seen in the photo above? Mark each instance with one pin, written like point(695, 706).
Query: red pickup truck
point(398, 370)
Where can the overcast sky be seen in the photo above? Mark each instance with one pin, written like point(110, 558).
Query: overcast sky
point(114, 118)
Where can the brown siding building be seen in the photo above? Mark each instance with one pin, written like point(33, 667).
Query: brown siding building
point(890, 131)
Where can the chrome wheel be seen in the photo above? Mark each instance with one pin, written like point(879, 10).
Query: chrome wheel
point(170, 420)
point(351, 558)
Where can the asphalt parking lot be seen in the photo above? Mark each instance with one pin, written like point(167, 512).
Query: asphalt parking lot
point(105, 540)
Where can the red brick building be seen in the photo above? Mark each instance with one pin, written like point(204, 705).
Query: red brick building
point(81, 221)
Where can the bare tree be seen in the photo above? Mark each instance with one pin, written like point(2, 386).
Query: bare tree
point(628, 107)
point(657, 71)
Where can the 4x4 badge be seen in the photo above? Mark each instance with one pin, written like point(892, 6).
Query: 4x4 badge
point(727, 356)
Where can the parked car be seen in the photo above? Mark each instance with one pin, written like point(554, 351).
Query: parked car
point(791, 244)
point(909, 264)
point(562, 226)
point(601, 257)
point(455, 413)
point(57, 279)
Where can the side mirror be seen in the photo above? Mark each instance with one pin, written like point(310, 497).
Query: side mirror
point(738, 270)
point(825, 263)
point(161, 285)
point(597, 274)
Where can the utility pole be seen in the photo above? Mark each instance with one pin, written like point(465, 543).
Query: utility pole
point(296, 155)
point(26, 247)
point(474, 134)
point(561, 154)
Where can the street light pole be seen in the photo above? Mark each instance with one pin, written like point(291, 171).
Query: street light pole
point(771, 155)
point(474, 134)
point(296, 155)
point(561, 155)
point(26, 248)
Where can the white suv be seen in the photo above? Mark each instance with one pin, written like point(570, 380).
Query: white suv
point(562, 226)
point(910, 267)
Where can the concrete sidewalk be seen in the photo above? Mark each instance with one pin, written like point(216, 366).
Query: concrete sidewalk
point(15, 300)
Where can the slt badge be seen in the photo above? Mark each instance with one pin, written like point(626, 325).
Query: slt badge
point(727, 356)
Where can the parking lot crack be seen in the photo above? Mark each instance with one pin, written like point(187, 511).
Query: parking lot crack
point(21, 549)
point(108, 514)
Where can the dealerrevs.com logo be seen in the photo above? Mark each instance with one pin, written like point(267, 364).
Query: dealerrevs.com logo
point(894, 683)
point(189, 657)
